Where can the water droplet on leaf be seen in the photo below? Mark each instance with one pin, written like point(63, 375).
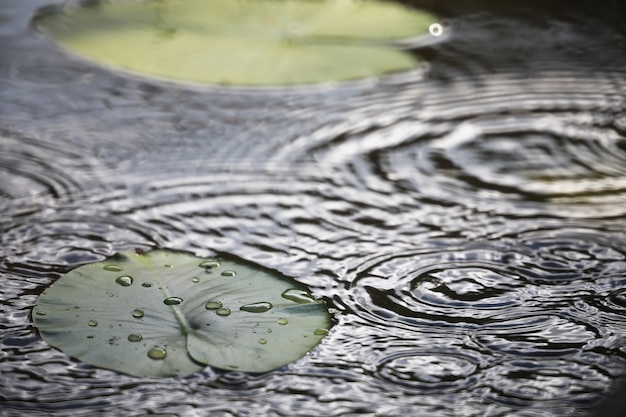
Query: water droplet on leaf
point(228, 273)
point(41, 313)
point(298, 296)
point(135, 337)
point(92, 323)
point(113, 268)
point(256, 307)
point(125, 281)
point(223, 311)
point(282, 321)
point(262, 341)
point(195, 280)
point(137, 313)
point(320, 332)
point(212, 305)
point(146, 285)
point(157, 353)
point(173, 301)
point(209, 264)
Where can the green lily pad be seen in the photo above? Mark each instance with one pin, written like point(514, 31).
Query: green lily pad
point(244, 42)
point(165, 313)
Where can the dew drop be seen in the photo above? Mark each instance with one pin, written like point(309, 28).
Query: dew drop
point(212, 305)
point(125, 281)
point(135, 337)
point(269, 330)
point(195, 280)
point(435, 29)
point(321, 332)
point(282, 321)
point(261, 307)
point(173, 301)
point(76, 307)
point(91, 336)
point(209, 264)
point(263, 341)
point(168, 266)
point(228, 273)
point(146, 285)
point(137, 313)
point(41, 313)
point(157, 353)
point(92, 323)
point(113, 268)
point(297, 296)
point(223, 311)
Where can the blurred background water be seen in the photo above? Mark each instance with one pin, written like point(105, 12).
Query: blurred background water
point(467, 220)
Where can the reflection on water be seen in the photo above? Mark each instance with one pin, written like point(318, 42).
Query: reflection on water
point(468, 224)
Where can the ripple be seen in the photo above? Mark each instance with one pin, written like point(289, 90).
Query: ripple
point(537, 335)
point(252, 214)
point(426, 371)
point(458, 288)
point(561, 256)
point(490, 143)
point(34, 168)
point(69, 236)
point(551, 383)
point(561, 165)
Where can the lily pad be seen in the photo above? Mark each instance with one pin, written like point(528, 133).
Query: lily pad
point(165, 313)
point(244, 42)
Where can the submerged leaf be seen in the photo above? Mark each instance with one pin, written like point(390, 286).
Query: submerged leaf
point(165, 313)
point(247, 42)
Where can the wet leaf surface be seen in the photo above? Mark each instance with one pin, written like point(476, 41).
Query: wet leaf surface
point(261, 42)
point(163, 313)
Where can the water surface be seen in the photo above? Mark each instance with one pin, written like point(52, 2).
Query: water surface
point(467, 221)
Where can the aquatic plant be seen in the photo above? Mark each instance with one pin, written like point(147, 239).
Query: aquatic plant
point(244, 42)
point(164, 313)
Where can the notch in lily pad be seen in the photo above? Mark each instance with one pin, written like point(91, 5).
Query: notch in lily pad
point(243, 42)
point(164, 313)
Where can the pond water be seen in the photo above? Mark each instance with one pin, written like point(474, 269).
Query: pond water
point(466, 221)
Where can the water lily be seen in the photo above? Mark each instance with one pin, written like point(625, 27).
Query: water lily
point(164, 313)
point(244, 42)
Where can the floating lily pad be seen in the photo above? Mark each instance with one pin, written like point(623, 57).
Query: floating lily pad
point(245, 42)
point(165, 313)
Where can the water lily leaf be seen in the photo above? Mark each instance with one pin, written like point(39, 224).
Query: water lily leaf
point(246, 42)
point(165, 313)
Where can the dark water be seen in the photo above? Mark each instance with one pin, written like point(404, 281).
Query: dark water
point(467, 221)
